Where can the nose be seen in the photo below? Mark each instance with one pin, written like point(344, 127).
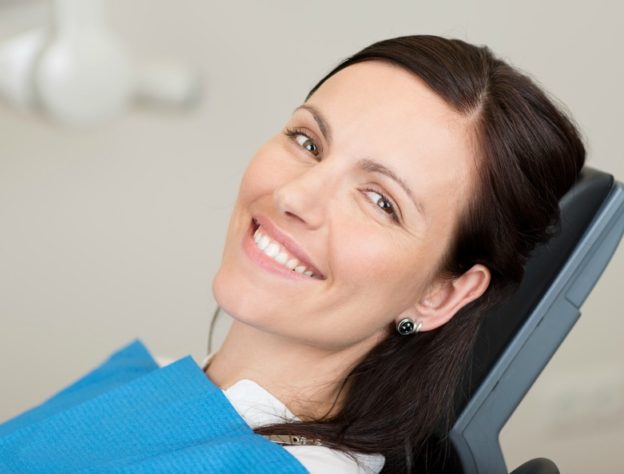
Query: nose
point(305, 197)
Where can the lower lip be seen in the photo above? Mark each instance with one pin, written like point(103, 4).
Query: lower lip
point(266, 262)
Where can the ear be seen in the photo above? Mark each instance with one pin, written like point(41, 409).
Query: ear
point(446, 297)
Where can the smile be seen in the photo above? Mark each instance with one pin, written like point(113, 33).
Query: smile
point(275, 251)
point(278, 253)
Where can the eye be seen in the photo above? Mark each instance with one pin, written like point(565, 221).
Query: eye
point(384, 204)
point(303, 140)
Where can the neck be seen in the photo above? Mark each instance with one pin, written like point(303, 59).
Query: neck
point(305, 378)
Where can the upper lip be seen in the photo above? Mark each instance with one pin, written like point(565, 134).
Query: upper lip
point(288, 243)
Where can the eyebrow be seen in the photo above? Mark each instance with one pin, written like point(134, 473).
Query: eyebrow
point(319, 119)
point(376, 167)
point(364, 164)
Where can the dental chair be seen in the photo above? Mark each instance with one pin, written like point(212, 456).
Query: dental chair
point(519, 336)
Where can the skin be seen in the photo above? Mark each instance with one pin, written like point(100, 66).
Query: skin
point(300, 338)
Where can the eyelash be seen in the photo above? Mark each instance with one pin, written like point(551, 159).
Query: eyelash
point(292, 134)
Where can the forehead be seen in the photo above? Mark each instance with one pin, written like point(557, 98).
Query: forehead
point(379, 110)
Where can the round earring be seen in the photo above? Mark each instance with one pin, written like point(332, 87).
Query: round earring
point(407, 326)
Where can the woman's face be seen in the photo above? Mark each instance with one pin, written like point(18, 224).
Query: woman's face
point(363, 188)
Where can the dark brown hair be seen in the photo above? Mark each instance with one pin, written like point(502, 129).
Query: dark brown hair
point(528, 155)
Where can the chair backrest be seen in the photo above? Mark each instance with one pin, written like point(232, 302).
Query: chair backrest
point(519, 337)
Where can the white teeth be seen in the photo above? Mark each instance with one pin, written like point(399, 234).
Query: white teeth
point(281, 257)
point(275, 251)
point(272, 250)
point(264, 242)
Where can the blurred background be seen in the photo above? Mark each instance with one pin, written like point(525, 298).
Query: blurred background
point(112, 230)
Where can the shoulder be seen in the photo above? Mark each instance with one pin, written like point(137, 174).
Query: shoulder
point(324, 460)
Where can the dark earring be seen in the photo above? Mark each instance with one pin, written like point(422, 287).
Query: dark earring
point(407, 326)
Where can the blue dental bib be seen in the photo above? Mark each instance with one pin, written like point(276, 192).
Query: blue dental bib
point(129, 415)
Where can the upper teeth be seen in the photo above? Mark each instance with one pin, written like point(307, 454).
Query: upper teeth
point(278, 253)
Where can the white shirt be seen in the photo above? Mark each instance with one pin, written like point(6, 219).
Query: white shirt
point(259, 407)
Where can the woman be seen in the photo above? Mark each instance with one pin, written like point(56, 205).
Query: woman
point(412, 183)
point(400, 201)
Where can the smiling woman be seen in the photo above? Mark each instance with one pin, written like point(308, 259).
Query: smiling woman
point(356, 218)
point(369, 236)
point(399, 202)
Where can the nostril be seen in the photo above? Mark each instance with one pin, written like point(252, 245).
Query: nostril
point(290, 214)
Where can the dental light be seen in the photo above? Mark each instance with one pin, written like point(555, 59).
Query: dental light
point(77, 72)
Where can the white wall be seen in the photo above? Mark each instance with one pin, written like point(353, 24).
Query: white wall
point(114, 233)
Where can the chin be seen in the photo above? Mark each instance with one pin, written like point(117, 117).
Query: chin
point(228, 289)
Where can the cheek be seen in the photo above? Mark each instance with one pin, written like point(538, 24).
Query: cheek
point(255, 180)
point(381, 266)
point(265, 172)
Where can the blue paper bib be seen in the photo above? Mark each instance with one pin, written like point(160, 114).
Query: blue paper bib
point(128, 415)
